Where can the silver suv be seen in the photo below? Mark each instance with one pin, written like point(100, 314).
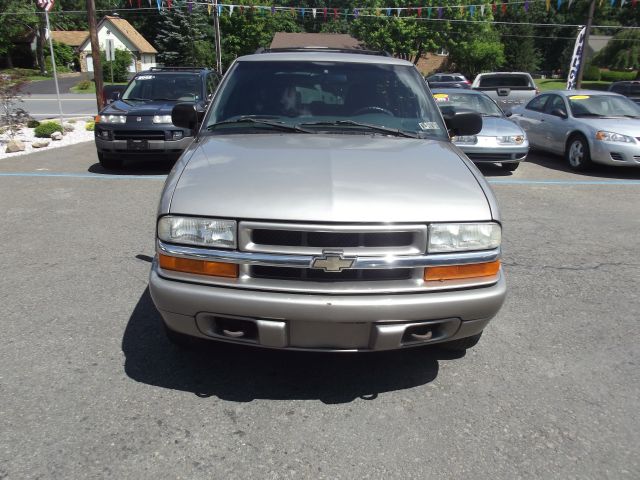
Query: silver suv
point(322, 206)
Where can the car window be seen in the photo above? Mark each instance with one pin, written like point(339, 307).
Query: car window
point(303, 92)
point(174, 87)
point(619, 88)
point(212, 83)
point(468, 101)
point(505, 81)
point(459, 78)
point(446, 78)
point(555, 102)
point(603, 106)
point(538, 103)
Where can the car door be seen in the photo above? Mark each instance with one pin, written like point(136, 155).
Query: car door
point(553, 125)
point(531, 120)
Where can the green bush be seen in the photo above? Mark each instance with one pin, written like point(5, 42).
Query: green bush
point(83, 85)
point(613, 76)
point(90, 126)
point(72, 121)
point(120, 66)
point(591, 73)
point(44, 130)
point(33, 123)
point(59, 68)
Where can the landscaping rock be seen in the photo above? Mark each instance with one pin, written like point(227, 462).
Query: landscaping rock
point(56, 136)
point(14, 146)
point(40, 143)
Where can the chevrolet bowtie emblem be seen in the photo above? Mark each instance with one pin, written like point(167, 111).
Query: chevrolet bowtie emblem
point(138, 119)
point(332, 261)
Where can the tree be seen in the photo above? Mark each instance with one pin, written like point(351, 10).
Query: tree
point(621, 53)
point(184, 38)
point(478, 55)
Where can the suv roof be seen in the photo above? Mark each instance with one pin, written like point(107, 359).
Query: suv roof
point(324, 55)
point(177, 69)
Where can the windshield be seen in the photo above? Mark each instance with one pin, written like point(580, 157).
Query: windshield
point(325, 97)
point(602, 106)
point(175, 87)
point(470, 101)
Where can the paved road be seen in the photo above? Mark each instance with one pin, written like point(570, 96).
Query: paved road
point(65, 82)
point(90, 388)
point(42, 106)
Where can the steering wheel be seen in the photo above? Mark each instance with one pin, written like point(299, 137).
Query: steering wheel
point(360, 111)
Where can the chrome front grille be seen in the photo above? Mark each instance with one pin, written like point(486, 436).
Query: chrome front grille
point(312, 239)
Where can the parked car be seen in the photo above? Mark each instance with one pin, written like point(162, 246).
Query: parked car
point(322, 206)
point(500, 141)
point(448, 80)
point(583, 125)
point(630, 89)
point(508, 89)
point(136, 124)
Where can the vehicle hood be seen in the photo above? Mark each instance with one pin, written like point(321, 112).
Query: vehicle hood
point(328, 178)
point(495, 126)
point(625, 126)
point(141, 109)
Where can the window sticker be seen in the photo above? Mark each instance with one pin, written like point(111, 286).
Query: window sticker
point(428, 125)
point(579, 97)
point(441, 97)
point(145, 77)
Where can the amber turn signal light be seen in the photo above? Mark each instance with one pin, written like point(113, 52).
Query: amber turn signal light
point(199, 267)
point(457, 272)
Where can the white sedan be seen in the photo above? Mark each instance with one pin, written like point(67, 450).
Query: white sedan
point(583, 125)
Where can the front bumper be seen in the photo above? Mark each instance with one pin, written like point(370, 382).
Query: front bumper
point(154, 147)
point(488, 150)
point(302, 321)
point(615, 153)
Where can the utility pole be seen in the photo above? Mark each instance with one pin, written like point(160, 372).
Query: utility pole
point(95, 53)
point(587, 32)
point(216, 27)
point(53, 67)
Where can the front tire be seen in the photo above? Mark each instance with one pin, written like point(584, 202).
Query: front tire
point(109, 163)
point(510, 167)
point(577, 153)
point(462, 343)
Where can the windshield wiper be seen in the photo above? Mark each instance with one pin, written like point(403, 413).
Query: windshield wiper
point(136, 99)
point(352, 123)
point(167, 99)
point(260, 121)
point(588, 115)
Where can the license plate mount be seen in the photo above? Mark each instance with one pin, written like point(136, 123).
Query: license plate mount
point(137, 144)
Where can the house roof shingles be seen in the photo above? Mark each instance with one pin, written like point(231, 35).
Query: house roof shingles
point(73, 38)
point(329, 40)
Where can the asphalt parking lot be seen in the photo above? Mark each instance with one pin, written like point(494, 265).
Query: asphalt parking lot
point(90, 387)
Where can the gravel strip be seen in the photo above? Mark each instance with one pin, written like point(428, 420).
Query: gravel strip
point(26, 135)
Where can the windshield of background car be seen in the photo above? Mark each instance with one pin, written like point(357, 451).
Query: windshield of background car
point(305, 92)
point(602, 106)
point(468, 101)
point(496, 81)
point(174, 87)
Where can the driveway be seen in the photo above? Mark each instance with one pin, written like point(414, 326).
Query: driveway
point(65, 82)
point(91, 388)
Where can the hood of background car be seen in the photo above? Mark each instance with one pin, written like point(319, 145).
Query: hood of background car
point(496, 126)
point(329, 178)
point(625, 126)
point(123, 107)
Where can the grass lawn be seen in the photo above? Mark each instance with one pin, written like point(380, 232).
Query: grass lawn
point(92, 87)
point(29, 74)
point(553, 84)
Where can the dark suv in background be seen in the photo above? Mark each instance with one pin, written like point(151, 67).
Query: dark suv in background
point(137, 123)
point(630, 89)
point(448, 80)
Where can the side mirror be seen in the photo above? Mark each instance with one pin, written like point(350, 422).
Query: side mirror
point(507, 113)
point(463, 123)
point(185, 115)
point(559, 112)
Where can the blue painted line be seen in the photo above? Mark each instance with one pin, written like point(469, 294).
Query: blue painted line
point(565, 182)
point(96, 176)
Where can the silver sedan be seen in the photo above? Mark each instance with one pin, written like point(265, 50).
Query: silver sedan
point(583, 125)
point(500, 141)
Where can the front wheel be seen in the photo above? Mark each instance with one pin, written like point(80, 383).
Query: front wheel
point(577, 153)
point(510, 167)
point(109, 163)
point(462, 343)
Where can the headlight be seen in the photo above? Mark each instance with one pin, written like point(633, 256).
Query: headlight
point(458, 237)
point(469, 139)
point(203, 232)
point(113, 119)
point(613, 137)
point(511, 139)
point(162, 119)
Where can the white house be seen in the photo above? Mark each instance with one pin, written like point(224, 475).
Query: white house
point(125, 37)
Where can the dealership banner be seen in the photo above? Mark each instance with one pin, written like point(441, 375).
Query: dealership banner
point(574, 66)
